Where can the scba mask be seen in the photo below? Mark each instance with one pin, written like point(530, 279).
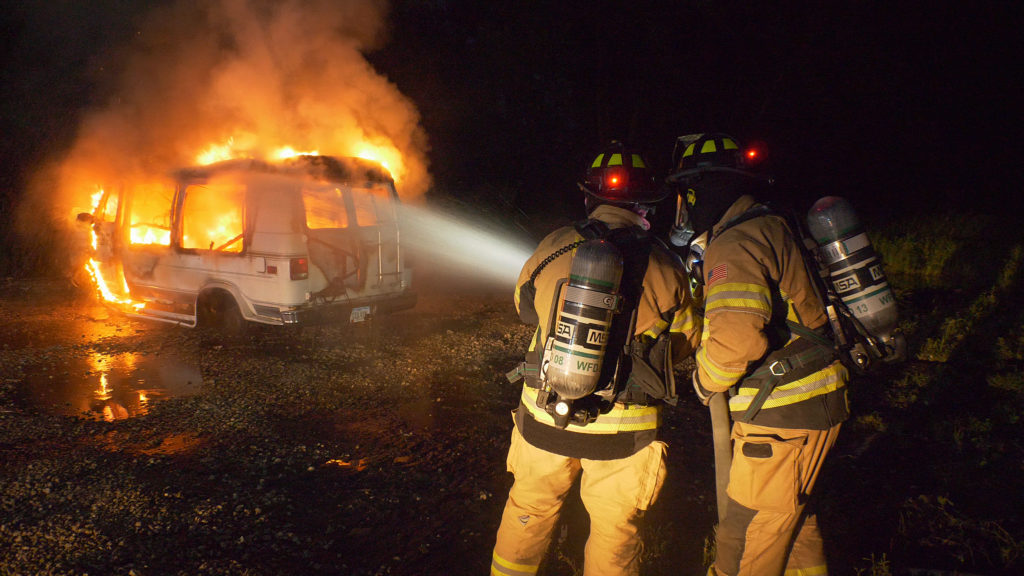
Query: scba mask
point(682, 230)
point(694, 263)
point(683, 235)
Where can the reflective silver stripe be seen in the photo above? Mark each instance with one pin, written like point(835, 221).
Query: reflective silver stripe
point(683, 321)
point(720, 376)
point(588, 297)
point(840, 249)
point(620, 419)
point(821, 382)
point(503, 567)
point(739, 295)
point(658, 328)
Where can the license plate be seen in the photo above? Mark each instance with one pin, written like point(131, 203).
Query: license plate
point(359, 314)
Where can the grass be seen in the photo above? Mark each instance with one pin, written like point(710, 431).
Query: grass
point(877, 567)
point(943, 469)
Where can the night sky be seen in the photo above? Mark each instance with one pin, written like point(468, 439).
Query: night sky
point(913, 105)
point(901, 106)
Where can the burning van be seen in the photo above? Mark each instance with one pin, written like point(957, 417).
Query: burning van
point(307, 239)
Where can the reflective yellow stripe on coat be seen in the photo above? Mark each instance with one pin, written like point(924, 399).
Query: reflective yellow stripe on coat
point(720, 376)
point(739, 297)
point(502, 567)
point(816, 384)
point(685, 321)
point(810, 571)
point(621, 418)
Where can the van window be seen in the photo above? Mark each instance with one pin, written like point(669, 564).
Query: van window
point(106, 210)
point(373, 205)
point(212, 216)
point(149, 217)
point(325, 207)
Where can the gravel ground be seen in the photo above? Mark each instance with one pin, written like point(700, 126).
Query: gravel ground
point(366, 449)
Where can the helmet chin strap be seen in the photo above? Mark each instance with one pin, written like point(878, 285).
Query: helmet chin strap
point(641, 209)
point(592, 201)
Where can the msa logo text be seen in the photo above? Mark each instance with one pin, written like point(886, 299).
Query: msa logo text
point(847, 284)
point(564, 331)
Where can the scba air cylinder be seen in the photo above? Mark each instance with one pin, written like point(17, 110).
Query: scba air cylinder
point(854, 267)
point(585, 312)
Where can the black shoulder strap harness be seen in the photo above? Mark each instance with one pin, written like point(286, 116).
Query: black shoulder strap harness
point(635, 245)
point(589, 229)
point(814, 350)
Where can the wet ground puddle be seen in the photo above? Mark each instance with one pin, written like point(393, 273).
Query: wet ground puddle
point(108, 386)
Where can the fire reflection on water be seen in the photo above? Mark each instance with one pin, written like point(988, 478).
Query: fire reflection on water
point(110, 386)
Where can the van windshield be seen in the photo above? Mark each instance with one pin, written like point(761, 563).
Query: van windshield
point(341, 206)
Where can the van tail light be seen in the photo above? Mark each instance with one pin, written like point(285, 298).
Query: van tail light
point(299, 268)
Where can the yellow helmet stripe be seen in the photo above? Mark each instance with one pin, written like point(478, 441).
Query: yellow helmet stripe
point(615, 159)
point(638, 162)
point(597, 161)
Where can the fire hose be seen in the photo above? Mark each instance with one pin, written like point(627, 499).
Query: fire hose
point(718, 405)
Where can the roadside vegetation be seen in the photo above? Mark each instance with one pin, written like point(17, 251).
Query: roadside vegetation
point(931, 468)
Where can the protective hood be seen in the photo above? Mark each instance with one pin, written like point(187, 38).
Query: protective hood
point(710, 194)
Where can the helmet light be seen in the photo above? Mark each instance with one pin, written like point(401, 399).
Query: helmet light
point(615, 179)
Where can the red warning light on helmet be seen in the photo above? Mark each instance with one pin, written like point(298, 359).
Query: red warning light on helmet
point(614, 179)
point(756, 153)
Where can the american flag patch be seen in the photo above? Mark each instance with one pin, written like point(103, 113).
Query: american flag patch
point(720, 272)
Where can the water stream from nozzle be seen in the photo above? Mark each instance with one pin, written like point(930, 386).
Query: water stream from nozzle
point(463, 247)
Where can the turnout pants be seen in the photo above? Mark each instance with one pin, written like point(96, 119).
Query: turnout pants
point(615, 493)
point(766, 531)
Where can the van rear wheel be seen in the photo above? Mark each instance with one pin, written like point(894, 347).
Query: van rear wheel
point(219, 313)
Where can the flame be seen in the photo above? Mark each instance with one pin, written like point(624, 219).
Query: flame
point(148, 235)
point(289, 152)
point(216, 153)
point(103, 393)
point(386, 155)
point(94, 269)
point(241, 79)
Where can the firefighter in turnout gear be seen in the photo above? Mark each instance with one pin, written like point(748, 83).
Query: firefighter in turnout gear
point(765, 344)
point(613, 317)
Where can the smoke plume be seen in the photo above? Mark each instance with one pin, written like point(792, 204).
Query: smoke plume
point(252, 75)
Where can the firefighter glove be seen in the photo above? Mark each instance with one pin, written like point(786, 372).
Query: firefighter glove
point(703, 394)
